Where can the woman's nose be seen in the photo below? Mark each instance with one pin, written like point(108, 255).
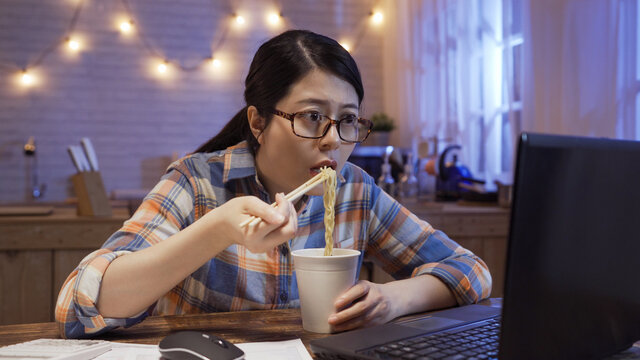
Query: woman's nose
point(331, 139)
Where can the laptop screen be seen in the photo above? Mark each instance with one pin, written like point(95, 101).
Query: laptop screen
point(573, 271)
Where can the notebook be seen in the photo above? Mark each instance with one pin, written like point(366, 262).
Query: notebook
point(572, 288)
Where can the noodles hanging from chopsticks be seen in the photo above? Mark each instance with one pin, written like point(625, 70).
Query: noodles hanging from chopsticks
point(329, 200)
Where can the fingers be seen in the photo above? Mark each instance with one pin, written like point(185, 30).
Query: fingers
point(267, 234)
point(283, 206)
point(364, 304)
point(266, 212)
point(356, 296)
point(286, 229)
point(350, 324)
point(351, 312)
point(363, 313)
point(357, 291)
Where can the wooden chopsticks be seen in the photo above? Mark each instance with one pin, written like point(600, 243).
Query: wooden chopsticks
point(292, 196)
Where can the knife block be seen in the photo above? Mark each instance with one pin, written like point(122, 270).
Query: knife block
point(92, 197)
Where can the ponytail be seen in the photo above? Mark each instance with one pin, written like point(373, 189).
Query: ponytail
point(236, 130)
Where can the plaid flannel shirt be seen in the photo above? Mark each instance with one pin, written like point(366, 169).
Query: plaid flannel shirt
point(366, 219)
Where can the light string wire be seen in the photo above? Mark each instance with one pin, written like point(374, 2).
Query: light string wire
point(55, 44)
point(146, 44)
point(361, 29)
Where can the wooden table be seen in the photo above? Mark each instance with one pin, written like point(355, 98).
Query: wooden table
point(237, 327)
point(37, 253)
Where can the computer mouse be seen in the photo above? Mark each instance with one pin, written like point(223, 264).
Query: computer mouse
point(196, 345)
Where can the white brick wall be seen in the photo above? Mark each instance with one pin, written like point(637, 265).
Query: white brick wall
point(110, 92)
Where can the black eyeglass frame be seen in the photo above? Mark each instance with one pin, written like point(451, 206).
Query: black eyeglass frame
point(291, 116)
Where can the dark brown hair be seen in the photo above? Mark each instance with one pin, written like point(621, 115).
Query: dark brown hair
point(277, 65)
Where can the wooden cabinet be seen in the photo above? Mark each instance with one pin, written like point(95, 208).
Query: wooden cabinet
point(37, 253)
point(482, 229)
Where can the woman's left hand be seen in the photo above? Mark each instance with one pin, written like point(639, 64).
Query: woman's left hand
point(364, 304)
point(367, 303)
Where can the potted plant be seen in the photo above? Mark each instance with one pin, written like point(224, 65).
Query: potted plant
point(383, 124)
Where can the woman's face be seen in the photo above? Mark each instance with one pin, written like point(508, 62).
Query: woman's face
point(284, 160)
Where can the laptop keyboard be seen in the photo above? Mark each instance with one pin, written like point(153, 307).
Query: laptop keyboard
point(479, 342)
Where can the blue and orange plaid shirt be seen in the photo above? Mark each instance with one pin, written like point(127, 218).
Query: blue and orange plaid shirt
point(366, 219)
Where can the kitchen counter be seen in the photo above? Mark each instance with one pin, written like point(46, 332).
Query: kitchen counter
point(37, 253)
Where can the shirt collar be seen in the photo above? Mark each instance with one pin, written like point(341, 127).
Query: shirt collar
point(238, 162)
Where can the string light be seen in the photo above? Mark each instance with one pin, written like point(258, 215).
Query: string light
point(73, 44)
point(274, 18)
point(377, 17)
point(162, 67)
point(26, 79)
point(126, 27)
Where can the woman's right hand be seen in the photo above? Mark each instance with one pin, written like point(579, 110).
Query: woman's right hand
point(277, 225)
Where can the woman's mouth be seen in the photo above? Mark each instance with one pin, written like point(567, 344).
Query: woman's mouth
point(328, 163)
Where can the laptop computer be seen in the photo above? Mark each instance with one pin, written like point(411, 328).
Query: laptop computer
point(572, 288)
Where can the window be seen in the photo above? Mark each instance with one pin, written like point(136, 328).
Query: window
point(496, 96)
point(469, 78)
point(512, 80)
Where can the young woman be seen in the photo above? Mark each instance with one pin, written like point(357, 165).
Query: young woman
point(184, 251)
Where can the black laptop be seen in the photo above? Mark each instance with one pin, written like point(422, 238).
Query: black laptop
point(572, 287)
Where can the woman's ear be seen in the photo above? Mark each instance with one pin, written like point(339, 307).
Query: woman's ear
point(256, 123)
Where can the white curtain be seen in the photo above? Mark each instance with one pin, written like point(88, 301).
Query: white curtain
point(446, 74)
point(577, 68)
point(443, 77)
point(416, 64)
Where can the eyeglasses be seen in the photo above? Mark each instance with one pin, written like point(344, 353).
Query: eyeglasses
point(313, 125)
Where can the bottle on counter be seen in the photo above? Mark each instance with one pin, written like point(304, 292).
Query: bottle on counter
point(408, 185)
point(386, 181)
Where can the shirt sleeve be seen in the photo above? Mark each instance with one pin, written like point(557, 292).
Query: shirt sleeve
point(403, 245)
point(167, 209)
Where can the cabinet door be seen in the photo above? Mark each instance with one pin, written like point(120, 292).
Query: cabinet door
point(25, 286)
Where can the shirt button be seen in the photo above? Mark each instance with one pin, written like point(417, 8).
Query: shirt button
point(284, 250)
point(283, 296)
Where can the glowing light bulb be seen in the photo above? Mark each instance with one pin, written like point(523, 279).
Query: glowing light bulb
point(377, 17)
point(73, 44)
point(216, 63)
point(26, 78)
point(273, 18)
point(346, 46)
point(240, 20)
point(162, 68)
point(126, 26)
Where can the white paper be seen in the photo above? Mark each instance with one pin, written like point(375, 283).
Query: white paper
point(275, 350)
point(122, 351)
point(269, 350)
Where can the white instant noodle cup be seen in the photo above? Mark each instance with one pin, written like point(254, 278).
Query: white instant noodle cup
point(321, 279)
